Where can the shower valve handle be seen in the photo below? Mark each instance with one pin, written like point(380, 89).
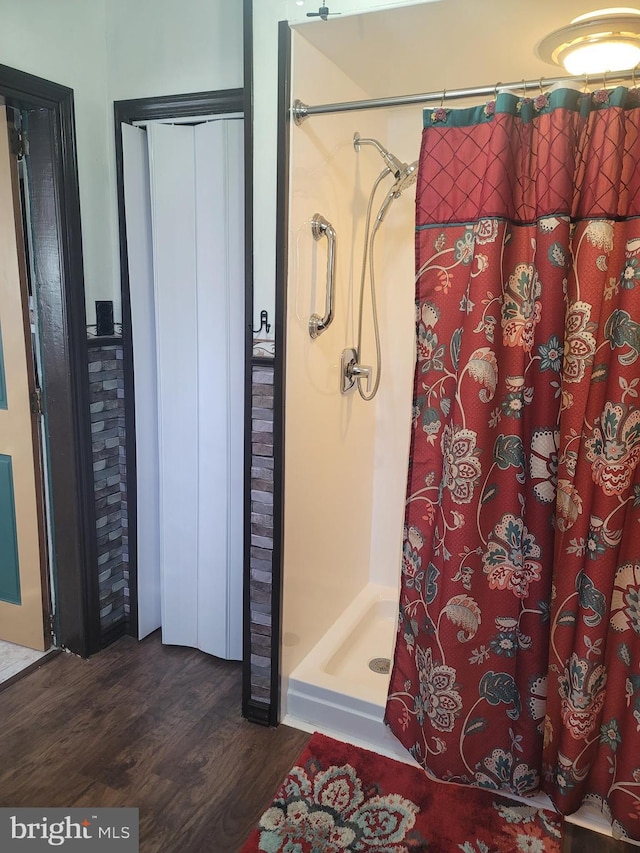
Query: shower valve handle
point(361, 371)
point(351, 371)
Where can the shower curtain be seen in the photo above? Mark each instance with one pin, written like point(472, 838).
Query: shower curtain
point(517, 663)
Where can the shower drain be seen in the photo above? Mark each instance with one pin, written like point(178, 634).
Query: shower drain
point(380, 665)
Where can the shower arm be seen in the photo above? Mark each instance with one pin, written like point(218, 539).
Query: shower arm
point(320, 227)
point(393, 164)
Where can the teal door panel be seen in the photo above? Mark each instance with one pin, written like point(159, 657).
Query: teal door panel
point(3, 384)
point(9, 567)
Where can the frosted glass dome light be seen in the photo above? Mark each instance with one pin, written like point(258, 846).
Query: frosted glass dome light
point(596, 43)
point(602, 57)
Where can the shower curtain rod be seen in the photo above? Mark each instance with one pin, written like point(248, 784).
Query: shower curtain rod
point(301, 111)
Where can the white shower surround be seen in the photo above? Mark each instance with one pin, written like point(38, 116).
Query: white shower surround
point(339, 540)
point(342, 548)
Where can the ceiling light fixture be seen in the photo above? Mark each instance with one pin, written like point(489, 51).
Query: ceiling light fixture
point(602, 41)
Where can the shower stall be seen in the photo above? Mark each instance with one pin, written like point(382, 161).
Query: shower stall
point(339, 497)
point(345, 458)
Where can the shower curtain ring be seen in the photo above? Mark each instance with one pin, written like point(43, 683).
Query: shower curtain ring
point(490, 106)
point(524, 89)
point(444, 95)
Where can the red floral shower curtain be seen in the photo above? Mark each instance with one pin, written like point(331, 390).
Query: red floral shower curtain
point(521, 564)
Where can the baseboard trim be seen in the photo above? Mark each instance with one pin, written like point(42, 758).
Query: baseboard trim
point(113, 632)
point(257, 712)
point(52, 653)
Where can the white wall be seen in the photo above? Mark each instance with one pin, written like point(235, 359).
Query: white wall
point(118, 49)
point(330, 437)
point(394, 262)
point(64, 41)
point(345, 459)
point(167, 47)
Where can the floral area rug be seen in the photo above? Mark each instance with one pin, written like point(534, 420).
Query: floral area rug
point(339, 798)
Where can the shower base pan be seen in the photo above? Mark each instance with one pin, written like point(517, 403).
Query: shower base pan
point(340, 687)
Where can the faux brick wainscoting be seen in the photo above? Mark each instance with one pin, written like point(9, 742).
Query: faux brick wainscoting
point(261, 530)
point(106, 394)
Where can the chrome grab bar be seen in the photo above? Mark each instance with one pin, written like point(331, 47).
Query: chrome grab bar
point(321, 228)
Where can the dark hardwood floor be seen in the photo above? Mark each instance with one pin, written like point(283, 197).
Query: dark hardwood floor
point(579, 840)
point(156, 727)
point(145, 725)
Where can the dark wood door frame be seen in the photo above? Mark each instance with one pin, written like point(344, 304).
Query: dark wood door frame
point(57, 242)
point(282, 254)
point(127, 112)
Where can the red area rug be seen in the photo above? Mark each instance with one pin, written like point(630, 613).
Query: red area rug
point(339, 799)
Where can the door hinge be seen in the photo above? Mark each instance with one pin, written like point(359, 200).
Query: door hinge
point(36, 402)
point(19, 143)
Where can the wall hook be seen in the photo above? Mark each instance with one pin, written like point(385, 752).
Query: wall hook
point(264, 323)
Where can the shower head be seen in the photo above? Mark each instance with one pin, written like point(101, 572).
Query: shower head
point(395, 165)
point(404, 179)
point(405, 174)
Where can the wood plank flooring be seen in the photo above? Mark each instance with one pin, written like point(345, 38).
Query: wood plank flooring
point(142, 724)
point(157, 727)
